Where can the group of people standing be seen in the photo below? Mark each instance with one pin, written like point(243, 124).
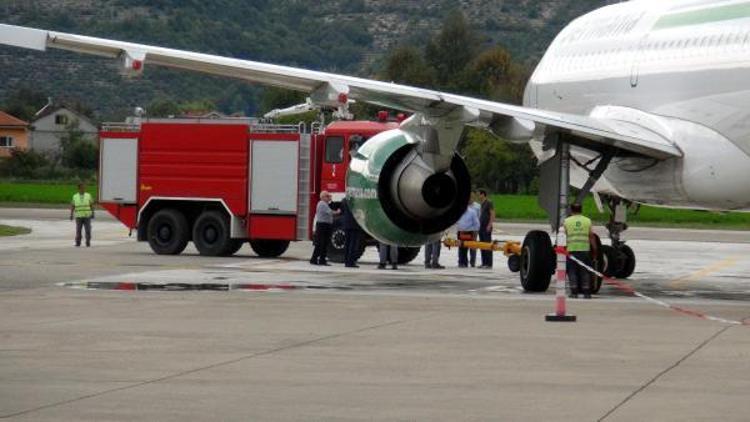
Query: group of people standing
point(476, 222)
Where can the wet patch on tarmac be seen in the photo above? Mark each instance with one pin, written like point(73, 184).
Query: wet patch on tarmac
point(217, 281)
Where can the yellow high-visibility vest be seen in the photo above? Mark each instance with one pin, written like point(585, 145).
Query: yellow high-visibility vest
point(82, 205)
point(577, 228)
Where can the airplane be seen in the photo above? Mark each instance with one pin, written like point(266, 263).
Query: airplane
point(639, 102)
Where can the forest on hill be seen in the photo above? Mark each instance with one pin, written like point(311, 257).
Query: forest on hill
point(473, 47)
point(346, 36)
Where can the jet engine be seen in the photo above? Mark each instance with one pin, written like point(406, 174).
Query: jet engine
point(398, 197)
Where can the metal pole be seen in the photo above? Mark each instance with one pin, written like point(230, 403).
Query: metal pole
point(561, 240)
point(564, 151)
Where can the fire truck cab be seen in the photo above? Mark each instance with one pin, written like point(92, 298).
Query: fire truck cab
point(222, 182)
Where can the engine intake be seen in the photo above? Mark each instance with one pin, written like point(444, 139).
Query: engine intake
point(398, 198)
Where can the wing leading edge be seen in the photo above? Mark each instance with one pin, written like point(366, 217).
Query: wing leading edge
point(325, 87)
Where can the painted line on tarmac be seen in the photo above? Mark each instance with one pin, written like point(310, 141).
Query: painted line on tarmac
point(626, 288)
point(724, 263)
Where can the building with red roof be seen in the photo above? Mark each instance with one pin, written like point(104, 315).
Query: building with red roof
point(14, 134)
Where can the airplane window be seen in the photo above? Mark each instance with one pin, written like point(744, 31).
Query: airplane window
point(334, 149)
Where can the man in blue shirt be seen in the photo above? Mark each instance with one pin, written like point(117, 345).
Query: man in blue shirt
point(467, 226)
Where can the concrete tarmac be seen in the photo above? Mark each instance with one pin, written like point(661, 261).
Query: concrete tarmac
point(407, 345)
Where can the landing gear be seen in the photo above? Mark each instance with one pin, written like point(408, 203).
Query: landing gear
point(620, 257)
point(537, 261)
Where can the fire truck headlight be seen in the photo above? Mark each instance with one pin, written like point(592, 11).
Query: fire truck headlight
point(397, 198)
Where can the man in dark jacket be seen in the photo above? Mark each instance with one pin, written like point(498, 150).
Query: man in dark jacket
point(352, 230)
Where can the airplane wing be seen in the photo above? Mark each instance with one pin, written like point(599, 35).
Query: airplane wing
point(327, 88)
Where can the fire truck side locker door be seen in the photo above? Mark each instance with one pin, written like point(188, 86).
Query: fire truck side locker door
point(273, 178)
point(119, 170)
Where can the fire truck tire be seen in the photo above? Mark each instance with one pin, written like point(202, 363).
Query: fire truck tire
point(537, 261)
point(269, 248)
point(211, 234)
point(167, 232)
point(236, 245)
point(337, 243)
point(407, 255)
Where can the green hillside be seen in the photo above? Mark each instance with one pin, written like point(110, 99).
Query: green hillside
point(347, 36)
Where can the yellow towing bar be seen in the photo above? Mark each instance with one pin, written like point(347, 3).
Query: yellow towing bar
point(507, 247)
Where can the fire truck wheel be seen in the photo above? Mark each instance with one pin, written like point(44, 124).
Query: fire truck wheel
point(269, 248)
point(211, 234)
point(235, 246)
point(167, 232)
point(407, 255)
point(337, 245)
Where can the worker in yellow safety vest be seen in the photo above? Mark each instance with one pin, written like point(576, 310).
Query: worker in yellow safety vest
point(580, 238)
point(82, 207)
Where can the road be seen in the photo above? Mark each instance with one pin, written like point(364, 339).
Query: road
point(311, 343)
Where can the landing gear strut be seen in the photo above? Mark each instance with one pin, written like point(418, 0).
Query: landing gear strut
point(537, 256)
point(620, 259)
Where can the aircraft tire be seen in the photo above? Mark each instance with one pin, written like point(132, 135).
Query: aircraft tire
point(611, 260)
point(628, 262)
point(600, 264)
point(537, 261)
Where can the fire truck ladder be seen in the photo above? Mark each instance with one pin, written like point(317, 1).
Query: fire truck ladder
point(303, 185)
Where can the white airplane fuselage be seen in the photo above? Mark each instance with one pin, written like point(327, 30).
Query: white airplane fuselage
point(680, 69)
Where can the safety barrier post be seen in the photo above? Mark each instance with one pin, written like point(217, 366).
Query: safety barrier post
point(561, 276)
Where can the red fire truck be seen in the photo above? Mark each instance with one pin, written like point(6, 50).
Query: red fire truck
point(222, 182)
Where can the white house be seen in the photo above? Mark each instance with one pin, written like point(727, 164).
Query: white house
point(50, 124)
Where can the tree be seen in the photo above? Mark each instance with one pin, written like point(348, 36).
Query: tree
point(274, 98)
point(162, 107)
point(24, 103)
point(23, 163)
point(78, 152)
point(451, 50)
point(405, 65)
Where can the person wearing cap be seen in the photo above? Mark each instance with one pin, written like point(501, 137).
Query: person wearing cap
point(580, 237)
point(82, 208)
point(323, 228)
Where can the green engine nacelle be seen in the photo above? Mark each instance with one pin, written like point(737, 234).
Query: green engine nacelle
point(395, 195)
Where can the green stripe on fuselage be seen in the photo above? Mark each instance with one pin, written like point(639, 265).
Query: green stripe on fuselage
point(698, 17)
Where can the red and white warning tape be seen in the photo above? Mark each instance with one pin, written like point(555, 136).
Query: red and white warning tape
point(626, 288)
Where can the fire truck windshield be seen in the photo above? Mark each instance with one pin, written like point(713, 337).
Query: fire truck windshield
point(355, 141)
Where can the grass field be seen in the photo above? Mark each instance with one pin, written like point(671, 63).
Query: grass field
point(12, 230)
point(40, 193)
point(525, 207)
point(509, 207)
